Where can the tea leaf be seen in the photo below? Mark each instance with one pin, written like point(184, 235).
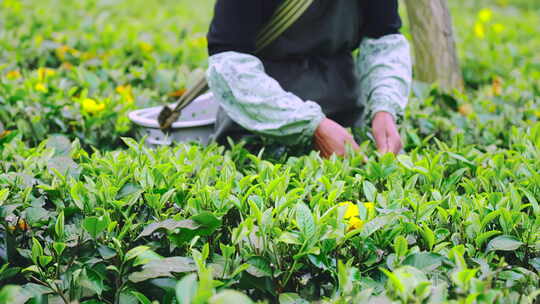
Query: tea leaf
point(535, 263)
point(65, 166)
point(142, 298)
point(305, 222)
point(59, 247)
point(461, 158)
point(429, 236)
point(163, 268)
point(530, 197)
point(145, 257)
point(394, 281)
point(13, 294)
point(425, 261)
point(106, 252)
point(37, 251)
point(94, 226)
point(135, 252)
point(127, 190)
point(186, 289)
point(289, 238)
point(504, 243)
point(230, 296)
point(291, 298)
point(7, 272)
point(44, 260)
point(59, 226)
point(400, 246)
point(4, 193)
point(169, 225)
point(75, 192)
point(126, 298)
point(490, 217)
point(60, 143)
point(370, 191)
point(208, 222)
point(259, 267)
point(377, 223)
point(482, 238)
point(92, 280)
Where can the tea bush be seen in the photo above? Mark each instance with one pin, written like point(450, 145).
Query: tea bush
point(89, 215)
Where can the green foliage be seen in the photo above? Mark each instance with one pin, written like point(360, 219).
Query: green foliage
point(454, 220)
point(79, 68)
point(219, 223)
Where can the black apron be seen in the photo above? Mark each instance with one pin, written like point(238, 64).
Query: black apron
point(313, 60)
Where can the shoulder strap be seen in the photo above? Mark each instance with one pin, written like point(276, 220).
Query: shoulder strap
point(284, 17)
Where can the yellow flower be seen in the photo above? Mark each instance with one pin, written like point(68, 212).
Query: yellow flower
point(352, 214)
point(125, 92)
point(498, 28)
point(91, 106)
point(66, 65)
point(40, 87)
point(62, 51)
point(497, 86)
point(355, 223)
point(485, 15)
point(45, 72)
point(146, 47)
point(479, 30)
point(371, 209)
point(38, 40)
point(352, 210)
point(15, 74)
point(123, 89)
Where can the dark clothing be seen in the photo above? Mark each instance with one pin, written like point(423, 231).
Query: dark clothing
point(312, 59)
point(236, 23)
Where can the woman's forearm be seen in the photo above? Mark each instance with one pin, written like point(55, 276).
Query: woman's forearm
point(385, 69)
point(257, 102)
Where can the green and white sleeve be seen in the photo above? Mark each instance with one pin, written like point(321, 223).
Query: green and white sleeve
point(385, 70)
point(257, 102)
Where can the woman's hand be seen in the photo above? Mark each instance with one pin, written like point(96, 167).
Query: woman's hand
point(331, 138)
point(386, 133)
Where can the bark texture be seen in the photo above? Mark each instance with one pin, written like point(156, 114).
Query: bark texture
point(436, 58)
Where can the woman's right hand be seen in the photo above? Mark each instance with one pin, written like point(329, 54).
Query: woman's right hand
point(331, 138)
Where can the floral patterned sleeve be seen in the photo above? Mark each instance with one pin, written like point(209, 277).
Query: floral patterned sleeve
point(385, 70)
point(257, 102)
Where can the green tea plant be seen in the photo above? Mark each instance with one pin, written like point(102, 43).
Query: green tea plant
point(128, 224)
point(90, 215)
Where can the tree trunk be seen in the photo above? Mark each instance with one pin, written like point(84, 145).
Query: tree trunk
point(434, 45)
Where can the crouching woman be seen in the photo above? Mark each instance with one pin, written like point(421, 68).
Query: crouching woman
point(307, 86)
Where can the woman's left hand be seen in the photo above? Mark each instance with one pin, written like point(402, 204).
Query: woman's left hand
point(386, 133)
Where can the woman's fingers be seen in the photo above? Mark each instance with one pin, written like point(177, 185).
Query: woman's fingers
point(381, 140)
point(394, 143)
point(332, 138)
